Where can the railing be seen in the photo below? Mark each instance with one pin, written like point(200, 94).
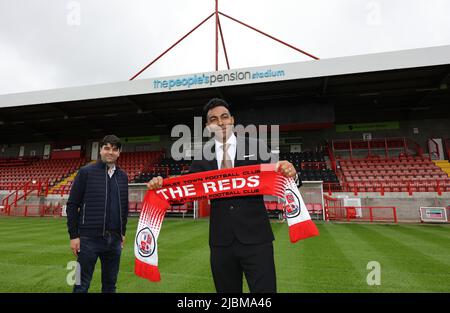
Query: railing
point(383, 186)
point(313, 165)
point(384, 144)
point(416, 146)
point(432, 142)
point(158, 169)
point(333, 201)
point(35, 210)
point(62, 190)
point(332, 157)
point(26, 189)
point(13, 187)
point(15, 195)
point(13, 162)
point(362, 214)
point(447, 147)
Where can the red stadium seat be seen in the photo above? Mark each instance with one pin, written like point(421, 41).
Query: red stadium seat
point(394, 174)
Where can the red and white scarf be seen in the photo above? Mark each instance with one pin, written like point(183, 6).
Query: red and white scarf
point(232, 182)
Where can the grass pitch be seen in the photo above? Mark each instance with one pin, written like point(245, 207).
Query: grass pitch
point(34, 253)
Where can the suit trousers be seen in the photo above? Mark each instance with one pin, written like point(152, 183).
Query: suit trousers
point(255, 261)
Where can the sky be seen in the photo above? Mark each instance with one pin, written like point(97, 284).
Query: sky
point(48, 44)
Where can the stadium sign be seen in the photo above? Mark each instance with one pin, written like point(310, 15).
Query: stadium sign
point(433, 214)
point(262, 74)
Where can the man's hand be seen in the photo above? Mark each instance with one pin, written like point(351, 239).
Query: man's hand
point(155, 183)
point(122, 242)
point(75, 246)
point(285, 168)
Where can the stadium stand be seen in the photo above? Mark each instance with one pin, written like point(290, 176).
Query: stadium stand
point(165, 168)
point(136, 163)
point(444, 165)
point(371, 173)
point(175, 167)
point(17, 172)
point(311, 166)
point(21, 177)
point(385, 165)
point(404, 173)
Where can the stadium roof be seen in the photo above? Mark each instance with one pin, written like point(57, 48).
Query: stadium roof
point(408, 84)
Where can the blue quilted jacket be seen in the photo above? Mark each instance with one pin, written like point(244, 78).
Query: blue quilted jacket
point(86, 207)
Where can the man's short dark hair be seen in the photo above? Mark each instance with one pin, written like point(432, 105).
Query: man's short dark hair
point(215, 102)
point(111, 139)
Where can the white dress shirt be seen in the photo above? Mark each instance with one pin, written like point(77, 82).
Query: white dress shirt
point(231, 150)
point(232, 153)
point(111, 170)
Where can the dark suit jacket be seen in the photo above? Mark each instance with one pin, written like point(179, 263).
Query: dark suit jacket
point(241, 218)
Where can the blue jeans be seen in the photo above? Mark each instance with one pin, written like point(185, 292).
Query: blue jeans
point(108, 249)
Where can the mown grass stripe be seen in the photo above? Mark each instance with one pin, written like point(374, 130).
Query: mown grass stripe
point(415, 241)
point(402, 267)
point(35, 260)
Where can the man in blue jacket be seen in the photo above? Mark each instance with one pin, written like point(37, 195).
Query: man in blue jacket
point(97, 212)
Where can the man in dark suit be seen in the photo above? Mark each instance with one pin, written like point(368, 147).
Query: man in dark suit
point(240, 235)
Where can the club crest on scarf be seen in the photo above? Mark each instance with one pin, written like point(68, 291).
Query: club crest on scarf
point(292, 204)
point(145, 241)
